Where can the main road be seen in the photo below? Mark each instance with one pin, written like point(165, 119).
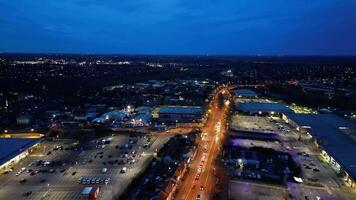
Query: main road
point(200, 180)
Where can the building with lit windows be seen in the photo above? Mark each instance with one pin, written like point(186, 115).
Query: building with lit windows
point(12, 150)
point(245, 93)
point(262, 108)
point(331, 134)
point(180, 114)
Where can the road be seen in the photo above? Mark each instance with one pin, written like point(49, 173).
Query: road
point(201, 179)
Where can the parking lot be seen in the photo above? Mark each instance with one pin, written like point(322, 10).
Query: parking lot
point(252, 191)
point(319, 180)
point(63, 169)
point(248, 143)
point(252, 123)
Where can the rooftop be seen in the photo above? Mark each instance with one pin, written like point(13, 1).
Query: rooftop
point(263, 107)
point(11, 147)
point(245, 93)
point(181, 110)
point(328, 130)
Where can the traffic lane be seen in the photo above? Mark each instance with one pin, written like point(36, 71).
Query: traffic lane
point(206, 178)
point(188, 189)
point(210, 129)
point(210, 181)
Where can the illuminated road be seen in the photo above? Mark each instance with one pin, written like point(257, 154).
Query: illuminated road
point(201, 179)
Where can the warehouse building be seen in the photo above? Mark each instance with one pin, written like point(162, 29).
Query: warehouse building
point(180, 114)
point(12, 150)
point(328, 131)
point(245, 93)
point(263, 108)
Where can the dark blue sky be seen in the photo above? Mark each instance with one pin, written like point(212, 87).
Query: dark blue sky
point(269, 27)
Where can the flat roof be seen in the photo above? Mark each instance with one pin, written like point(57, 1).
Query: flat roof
point(144, 117)
point(87, 190)
point(327, 129)
point(196, 110)
point(11, 147)
point(245, 93)
point(263, 107)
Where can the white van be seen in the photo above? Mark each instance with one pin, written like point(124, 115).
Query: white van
point(123, 170)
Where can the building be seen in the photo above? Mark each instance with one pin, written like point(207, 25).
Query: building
point(143, 109)
point(328, 131)
point(245, 93)
point(24, 119)
point(180, 114)
point(115, 115)
point(141, 120)
point(12, 150)
point(263, 108)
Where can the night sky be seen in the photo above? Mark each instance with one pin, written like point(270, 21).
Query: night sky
point(240, 27)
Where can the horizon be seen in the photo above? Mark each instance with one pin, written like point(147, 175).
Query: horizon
point(176, 55)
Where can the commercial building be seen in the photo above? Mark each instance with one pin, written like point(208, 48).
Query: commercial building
point(115, 115)
point(328, 131)
point(12, 150)
point(263, 108)
point(141, 120)
point(180, 114)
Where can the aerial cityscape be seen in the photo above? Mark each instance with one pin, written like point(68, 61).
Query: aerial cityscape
point(234, 100)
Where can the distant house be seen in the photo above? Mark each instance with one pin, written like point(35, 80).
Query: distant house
point(24, 119)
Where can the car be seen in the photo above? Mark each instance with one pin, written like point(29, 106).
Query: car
point(74, 173)
point(23, 180)
point(43, 180)
point(123, 170)
point(198, 197)
point(52, 170)
point(104, 170)
point(62, 170)
point(201, 188)
point(146, 181)
point(316, 170)
point(33, 173)
point(26, 194)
